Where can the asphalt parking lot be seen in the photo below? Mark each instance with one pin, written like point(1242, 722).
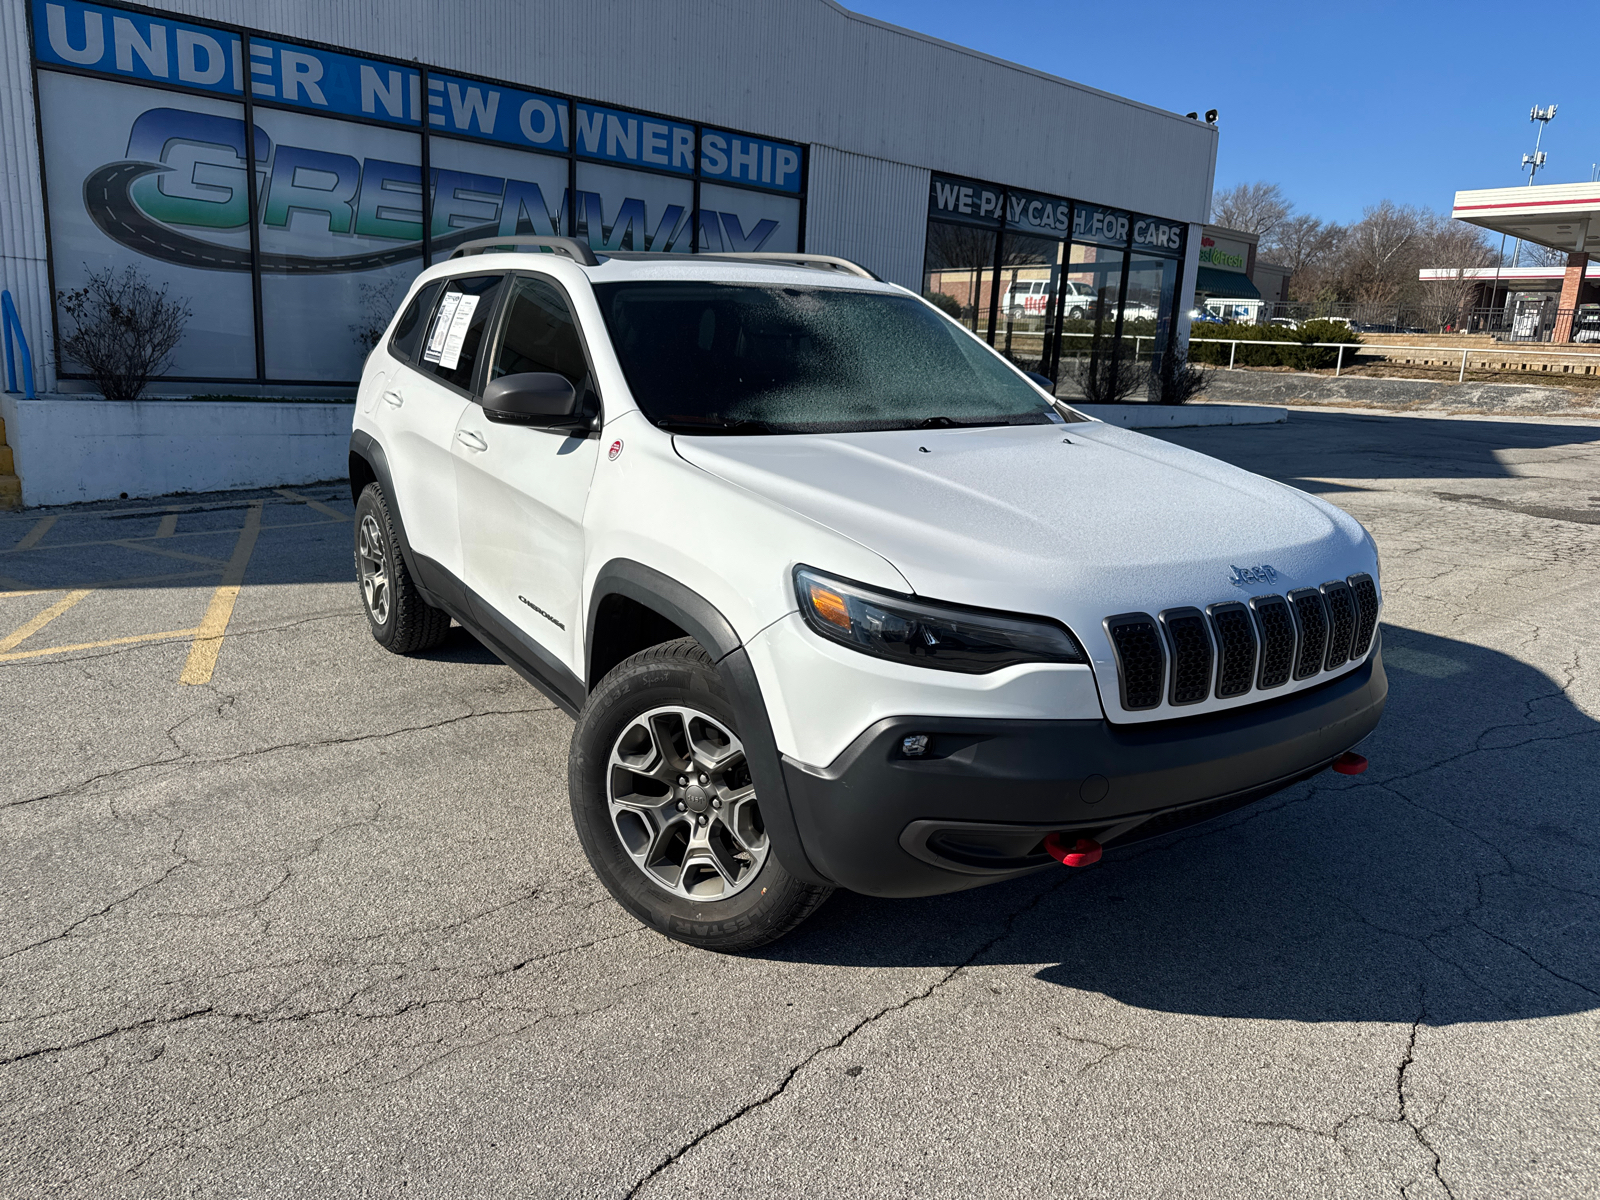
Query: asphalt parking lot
point(285, 915)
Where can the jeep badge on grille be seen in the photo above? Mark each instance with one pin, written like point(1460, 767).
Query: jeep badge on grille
point(1262, 574)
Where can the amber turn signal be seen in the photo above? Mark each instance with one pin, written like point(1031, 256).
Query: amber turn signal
point(830, 606)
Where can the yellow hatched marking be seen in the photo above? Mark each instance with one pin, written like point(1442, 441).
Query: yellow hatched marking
point(39, 622)
point(169, 524)
point(208, 636)
point(28, 592)
point(318, 505)
point(122, 641)
point(31, 538)
point(132, 544)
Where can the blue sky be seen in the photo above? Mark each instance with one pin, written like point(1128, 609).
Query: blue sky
point(1343, 104)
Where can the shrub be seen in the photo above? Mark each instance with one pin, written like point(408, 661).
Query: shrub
point(945, 302)
point(124, 330)
point(1273, 345)
point(1177, 381)
point(1112, 376)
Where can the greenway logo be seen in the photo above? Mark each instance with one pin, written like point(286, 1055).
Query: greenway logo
point(184, 176)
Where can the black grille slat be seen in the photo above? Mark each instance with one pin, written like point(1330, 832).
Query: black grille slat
point(1365, 592)
point(1236, 648)
point(1141, 662)
point(1341, 621)
point(1312, 618)
point(1191, 655)
point(1277, 640)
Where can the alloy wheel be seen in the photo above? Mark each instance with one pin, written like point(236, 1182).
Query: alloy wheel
point(374, 567)
point(683, 805)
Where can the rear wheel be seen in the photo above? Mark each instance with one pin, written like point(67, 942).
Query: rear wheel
point(666, 809)
point(400, 619)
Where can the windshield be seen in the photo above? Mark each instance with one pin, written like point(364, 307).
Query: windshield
point(738, 358)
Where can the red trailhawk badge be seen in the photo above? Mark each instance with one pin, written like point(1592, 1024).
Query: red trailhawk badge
point(616, 449)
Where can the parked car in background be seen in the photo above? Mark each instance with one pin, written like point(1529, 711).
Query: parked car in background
point(1285, 322)
point(1026, 298)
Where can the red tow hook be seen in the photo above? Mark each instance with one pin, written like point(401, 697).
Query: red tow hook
point(1349, 763)
point(1081, 855)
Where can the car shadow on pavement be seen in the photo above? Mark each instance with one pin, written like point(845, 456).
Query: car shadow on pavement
point(1378, 446)
point(1455, 881)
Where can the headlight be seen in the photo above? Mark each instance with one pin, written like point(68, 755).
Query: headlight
point(924, 634)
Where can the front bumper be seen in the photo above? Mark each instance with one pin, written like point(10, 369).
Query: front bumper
point(976, 807)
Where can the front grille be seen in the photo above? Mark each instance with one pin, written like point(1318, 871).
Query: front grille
point(1313, 621)
point(1341, 622)
point(1277, 640)
point(1236, 648)
point(1191, 654)
point(1184, 656)
point(1366, 597)
point(1141, 663)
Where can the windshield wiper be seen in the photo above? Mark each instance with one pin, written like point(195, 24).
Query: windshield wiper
point(717, 425)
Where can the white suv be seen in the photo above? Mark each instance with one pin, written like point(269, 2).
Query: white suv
point(837, 596)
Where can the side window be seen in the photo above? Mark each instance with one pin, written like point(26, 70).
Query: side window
point(541, 335)
point(408, 330)
point(454, 337)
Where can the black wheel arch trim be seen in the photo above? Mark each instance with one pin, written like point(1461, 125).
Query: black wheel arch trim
point(369, 450)
point(703, 621)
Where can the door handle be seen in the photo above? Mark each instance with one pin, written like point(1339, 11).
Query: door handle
point(470, 440)
point(393, 398)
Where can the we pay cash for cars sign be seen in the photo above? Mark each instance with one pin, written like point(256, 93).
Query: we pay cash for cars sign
point(122, 43)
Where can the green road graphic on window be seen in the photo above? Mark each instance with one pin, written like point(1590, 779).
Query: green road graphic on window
point(187, 171)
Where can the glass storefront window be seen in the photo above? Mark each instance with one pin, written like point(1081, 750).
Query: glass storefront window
point(1147, 311)
point(1030, 278)
point(958, 272)
point(1094, 283)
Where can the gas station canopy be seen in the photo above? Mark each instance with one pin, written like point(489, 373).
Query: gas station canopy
point(1563, 216)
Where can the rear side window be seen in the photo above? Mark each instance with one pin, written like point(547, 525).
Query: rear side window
point(408, 330)
point(455, 335)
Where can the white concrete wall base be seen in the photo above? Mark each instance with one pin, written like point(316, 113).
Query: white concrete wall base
point(1179, 416)
point(72, 448)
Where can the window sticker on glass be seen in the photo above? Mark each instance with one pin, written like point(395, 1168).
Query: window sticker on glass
point(441, 327)
point(450, 355)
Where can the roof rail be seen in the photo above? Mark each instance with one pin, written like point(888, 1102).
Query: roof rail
point(572, 248)
point(804, 260)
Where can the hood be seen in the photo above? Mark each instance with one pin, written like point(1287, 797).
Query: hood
point(1076, 521)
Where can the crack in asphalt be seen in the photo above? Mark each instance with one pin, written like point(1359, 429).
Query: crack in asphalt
point(865, 1022)
point(188, 760)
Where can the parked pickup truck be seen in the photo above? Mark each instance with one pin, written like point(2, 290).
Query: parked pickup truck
point(836, 596)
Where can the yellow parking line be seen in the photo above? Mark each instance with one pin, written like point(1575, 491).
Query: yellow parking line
point(31, 538)
point(39, 622)
point(208, 637)
point(123, 641)
point(169, 525)
point(326, 509)
point(25, 591)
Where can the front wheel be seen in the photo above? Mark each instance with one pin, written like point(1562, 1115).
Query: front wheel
point(667, 811)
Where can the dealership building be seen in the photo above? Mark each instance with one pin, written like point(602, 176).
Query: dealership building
point(1046, 215)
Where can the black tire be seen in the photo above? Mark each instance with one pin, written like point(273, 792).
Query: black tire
point(407, 624)
point(1076, 314)
point(674, 673)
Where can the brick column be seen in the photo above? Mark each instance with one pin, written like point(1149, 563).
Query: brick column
point(1571, 289)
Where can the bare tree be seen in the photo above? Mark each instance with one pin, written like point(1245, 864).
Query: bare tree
point(124, 330)
point(1251, 207)
point(1458, 250)
point(1535, 255)
point(1382, 252)
point(1309, 248)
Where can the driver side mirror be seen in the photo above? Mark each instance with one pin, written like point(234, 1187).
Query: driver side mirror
point(532, 398)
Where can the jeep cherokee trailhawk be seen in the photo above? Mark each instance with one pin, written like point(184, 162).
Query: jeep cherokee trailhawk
point(837, 596)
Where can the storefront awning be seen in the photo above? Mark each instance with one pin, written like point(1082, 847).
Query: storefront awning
point(1225, 285)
